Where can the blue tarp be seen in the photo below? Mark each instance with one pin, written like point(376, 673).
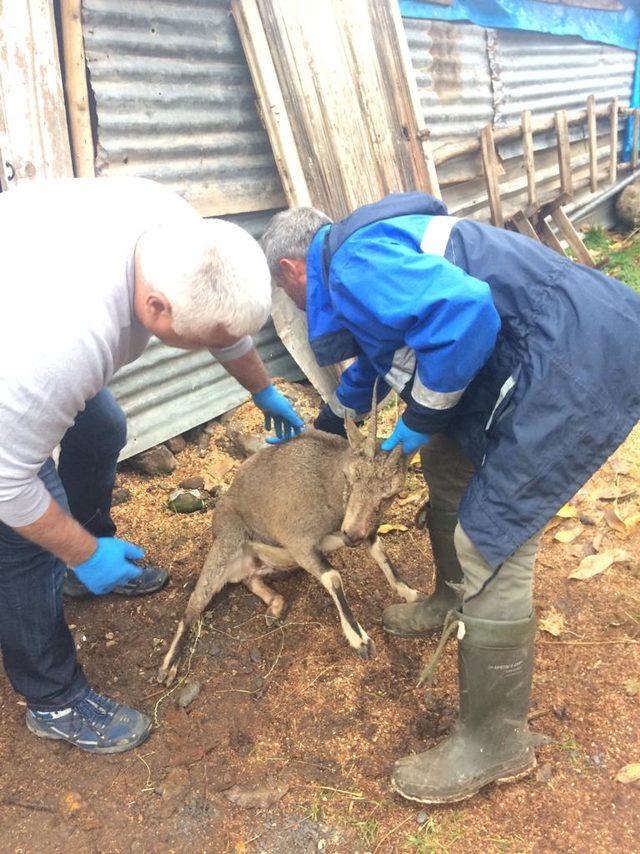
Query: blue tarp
point(621, 29)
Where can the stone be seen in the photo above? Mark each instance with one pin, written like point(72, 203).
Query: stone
point(422, 817)
point(196, 482)
point(185, 501)
point(155, 461)
point(255, 655)
point(176, 444)
point(120, 495)
point(188, 694)
point(246, 443)
point(218, 468)
point(628, 205)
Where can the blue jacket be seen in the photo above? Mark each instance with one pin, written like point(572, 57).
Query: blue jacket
point(528, 359)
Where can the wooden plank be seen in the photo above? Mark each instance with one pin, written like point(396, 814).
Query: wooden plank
point(489, 163)
point(634, 142)
point(613, 144)
point(548, 237)
point(523, 225)
point(568, 231)
point(593, 143)
point(564, 153)
point(35, 140)
point(529, 162)
point(408, 77)
point(76, 91)
point(511, 132)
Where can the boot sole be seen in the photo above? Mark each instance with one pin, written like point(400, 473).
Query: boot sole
point(99, 750)
point(499, 781)
point(425, 633)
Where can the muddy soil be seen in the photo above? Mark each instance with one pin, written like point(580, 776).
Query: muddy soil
point(292, 711)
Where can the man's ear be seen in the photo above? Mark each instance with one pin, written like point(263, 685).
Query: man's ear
point(157, 305)
point(288, 270)
point(355, 437)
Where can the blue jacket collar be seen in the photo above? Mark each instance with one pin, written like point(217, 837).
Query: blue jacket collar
point(329, 340)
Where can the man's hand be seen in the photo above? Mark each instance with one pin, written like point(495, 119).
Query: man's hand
point(109, 566)
point(405, 436)
point(278, 410)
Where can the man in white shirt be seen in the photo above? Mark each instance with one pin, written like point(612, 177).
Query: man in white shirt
point(90, 270)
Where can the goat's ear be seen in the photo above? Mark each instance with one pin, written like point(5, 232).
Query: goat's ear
point(394, 456)
point(355, 437)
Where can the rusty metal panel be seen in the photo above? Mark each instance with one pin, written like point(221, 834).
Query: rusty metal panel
point(469, 76)
point(174, 102)
point(452, 70)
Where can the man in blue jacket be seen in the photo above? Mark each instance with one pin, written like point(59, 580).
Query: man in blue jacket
point(519, 370)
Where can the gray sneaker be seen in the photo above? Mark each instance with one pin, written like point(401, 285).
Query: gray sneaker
point(93, 723)
point(149, 581)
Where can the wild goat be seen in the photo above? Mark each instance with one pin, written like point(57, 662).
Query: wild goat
point(288, 506)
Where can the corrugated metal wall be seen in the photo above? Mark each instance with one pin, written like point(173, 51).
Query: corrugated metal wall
point(175, 102)
point(487, 75)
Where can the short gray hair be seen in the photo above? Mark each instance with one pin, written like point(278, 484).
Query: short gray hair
point(289, 235)
point(211, 271)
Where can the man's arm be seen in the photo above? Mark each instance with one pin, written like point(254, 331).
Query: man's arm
point(242, 361)
point(58, 533)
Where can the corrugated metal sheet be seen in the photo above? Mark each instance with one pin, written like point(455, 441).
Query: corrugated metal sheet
point(175, 102)
point(485, 75)
point(544, 73)
point(168, 391)
point(452, 70)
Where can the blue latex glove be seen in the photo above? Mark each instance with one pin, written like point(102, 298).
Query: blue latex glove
point(405, 436)
point(278, 410)
point(110, 565)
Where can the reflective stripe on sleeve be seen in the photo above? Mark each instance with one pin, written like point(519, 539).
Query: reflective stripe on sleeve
point(434, 399)
point(402, 367)
point(436, 234)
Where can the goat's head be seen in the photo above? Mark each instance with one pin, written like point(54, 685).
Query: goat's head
point(374, 478)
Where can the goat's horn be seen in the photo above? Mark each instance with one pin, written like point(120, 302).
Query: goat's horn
point(373, 420)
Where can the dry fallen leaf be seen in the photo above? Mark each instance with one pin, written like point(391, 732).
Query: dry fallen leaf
point(613, 520)
point(630, 774)
point(597, 540)
point(632, 687)
point(620, 466)
point(552, 623)
point(413, 498)
point(631, 522)
point(615, 495)
point(595, 564)
point(553, 523)
point(568, 535)
point(386, 528)
point(567, 512)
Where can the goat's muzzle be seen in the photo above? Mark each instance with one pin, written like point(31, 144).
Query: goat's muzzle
point(352, 539)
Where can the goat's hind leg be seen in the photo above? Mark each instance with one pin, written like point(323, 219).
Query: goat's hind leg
point(223, 562)
point(276, 604)
point(390, 571)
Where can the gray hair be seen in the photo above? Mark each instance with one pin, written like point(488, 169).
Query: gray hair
point(211, 271)
point(289, 235)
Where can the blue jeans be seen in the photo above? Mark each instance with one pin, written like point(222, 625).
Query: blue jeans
point(37, 647)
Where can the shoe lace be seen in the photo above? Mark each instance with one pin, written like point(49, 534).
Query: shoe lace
point(451, 623)
point(94, 711)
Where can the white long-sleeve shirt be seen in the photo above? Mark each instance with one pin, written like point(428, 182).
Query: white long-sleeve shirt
point(66, 313)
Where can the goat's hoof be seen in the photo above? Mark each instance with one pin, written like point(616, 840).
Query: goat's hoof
point(272, 621)
point(414, 596)
point(166, 675)
point(367, 650)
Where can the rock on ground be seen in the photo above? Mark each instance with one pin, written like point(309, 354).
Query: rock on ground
point(628, 205)
point(155, 461)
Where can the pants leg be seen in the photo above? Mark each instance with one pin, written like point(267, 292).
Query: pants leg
point(505, 594)
point(87, 466)
point(37, 647)
point(447, 472)
point(502, 594)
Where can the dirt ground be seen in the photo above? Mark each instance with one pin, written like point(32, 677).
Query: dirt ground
point(293, 711)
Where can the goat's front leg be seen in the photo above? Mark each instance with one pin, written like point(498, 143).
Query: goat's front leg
point(316, 564)
point(395, 580)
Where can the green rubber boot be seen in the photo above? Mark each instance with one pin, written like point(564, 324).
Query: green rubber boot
point(415, 619)
point(491, 742)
